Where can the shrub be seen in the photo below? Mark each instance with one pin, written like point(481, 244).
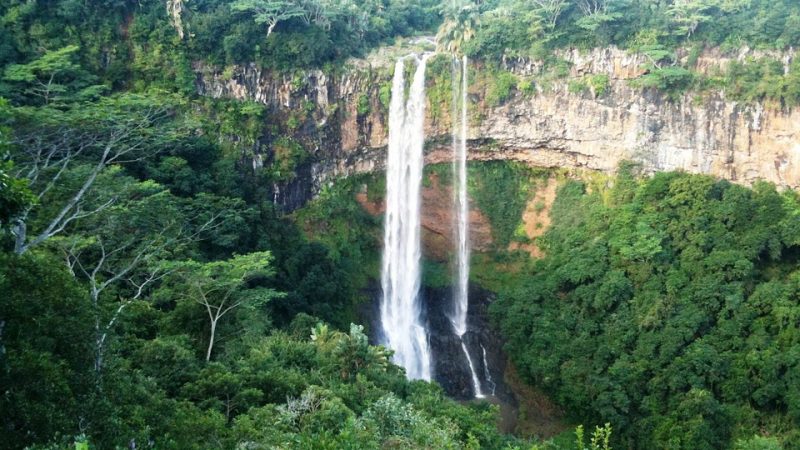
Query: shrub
point(599, 84)
point(501, 87)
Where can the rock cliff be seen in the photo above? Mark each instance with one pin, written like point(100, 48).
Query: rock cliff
point(347, 133)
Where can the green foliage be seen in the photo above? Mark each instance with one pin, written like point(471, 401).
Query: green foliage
point(599, 84)
point(501, 85)
point(672, 80)
point(500, 190)
point(440, 90)
point(45, 349)
point(663, 311)
point(52, 78)
point(222, 287)
point(578, 86)
point(332, 389)
point(461, 20)
point(363, 106)
point(15, 196)
point(287, 156)
point(351, 236)
point(385, 95)
point(513, 28)
point(758, 443)
point(759, 80)
point(527, 86)
point(517, 28)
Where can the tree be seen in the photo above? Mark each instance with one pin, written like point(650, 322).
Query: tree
point(459, 27)
point(322, 12)
point(15, 196)
point(270, 12)
point(688, 15)
point(684, 324)
point(45, 349)
point(222, 286)
point(551, 10)
point(50, 145)
point(592, 7)
point(53, 77)
point(125, 247)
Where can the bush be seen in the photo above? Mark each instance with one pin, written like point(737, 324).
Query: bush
point(599, 84)
point(673, 81)
point(578, 86)
point(501, 85)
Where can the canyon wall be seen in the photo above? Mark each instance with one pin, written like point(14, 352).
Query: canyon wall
point(346, 132)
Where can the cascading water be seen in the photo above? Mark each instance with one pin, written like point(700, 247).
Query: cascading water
point(486, 374)
point(401, 314)
point(461, 204)
point(460, 201)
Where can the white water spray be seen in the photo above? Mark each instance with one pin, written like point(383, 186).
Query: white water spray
point(401, 313)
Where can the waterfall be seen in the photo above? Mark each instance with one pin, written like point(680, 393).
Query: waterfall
point(461, 206)
point(460, 201)
point(476, 383)
point(486, 374)
point(401, 313)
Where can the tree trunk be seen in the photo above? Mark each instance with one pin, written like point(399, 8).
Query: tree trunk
point(2, 346)
point(211, 340)
point(20, 232)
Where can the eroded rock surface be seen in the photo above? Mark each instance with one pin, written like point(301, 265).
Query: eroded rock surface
point(552, 128)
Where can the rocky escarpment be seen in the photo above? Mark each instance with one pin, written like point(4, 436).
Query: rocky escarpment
point(709, 135)
point(345, 127)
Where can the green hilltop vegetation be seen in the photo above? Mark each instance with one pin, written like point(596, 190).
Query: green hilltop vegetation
point(538, 29)
point(151, 294)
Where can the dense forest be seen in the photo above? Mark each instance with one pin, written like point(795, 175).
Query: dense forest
point(668, 308)
point(153, 296)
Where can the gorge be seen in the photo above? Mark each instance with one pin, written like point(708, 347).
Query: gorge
point(309, 224)
point(553, 128)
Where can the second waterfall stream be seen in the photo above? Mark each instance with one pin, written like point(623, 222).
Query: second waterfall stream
point(461, 206)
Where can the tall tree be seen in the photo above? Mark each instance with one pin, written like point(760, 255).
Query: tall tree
point(459, 27)
point(222, 286)
point(688, 15)
point(551, 10)
point(270, 12)
point(54, 77)
point(51, 146)
point(123, 249)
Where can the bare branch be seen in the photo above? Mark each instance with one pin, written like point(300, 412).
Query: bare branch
point(46, 151)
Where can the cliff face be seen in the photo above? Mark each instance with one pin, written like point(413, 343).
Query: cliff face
point(710, 135)
point(347, 130)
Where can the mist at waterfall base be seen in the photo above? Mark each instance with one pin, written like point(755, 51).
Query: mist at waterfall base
point(439, 334)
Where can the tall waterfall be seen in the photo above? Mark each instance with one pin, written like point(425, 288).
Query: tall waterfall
point(461, 205)
point(460, 201)
point(404, 330)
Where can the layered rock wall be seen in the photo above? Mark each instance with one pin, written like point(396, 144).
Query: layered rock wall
point(347, 130)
